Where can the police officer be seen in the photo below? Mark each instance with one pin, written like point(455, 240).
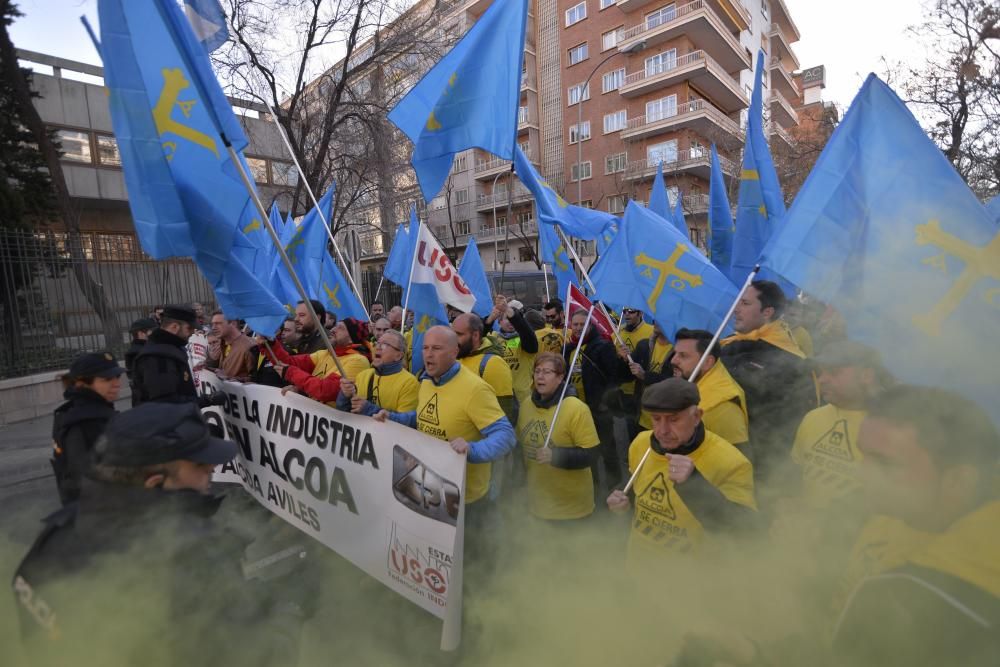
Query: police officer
point(161, 371)
point(92, 387)
point(121, 575)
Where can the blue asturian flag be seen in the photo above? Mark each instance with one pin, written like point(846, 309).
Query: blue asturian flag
point(169, 115)
point(208, 22)
point(678, 216)
point(468, 99)
point(581, 222)
point(472, 271)
point(887, 232)
point(554, 254)
point(397, 265)
point(651, 265)
point(659, 202)
point(720, 219)
point(760, 205)
point(993, 208)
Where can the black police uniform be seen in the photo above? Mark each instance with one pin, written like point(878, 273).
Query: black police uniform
point(76, 425)
point(161, 371)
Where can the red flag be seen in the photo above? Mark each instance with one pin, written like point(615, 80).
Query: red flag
point(575, 300)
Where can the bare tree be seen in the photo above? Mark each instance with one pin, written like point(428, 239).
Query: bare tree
point(794, 162)
point(955, 91)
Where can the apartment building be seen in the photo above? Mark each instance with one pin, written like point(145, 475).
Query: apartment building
point(610, 89)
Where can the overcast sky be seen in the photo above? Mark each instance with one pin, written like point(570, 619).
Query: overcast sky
point(849, 37)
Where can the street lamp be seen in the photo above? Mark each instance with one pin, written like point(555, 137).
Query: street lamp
point(635, 48)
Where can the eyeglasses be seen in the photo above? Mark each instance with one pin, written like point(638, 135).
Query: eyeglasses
point(545, 371)
point(384, 344)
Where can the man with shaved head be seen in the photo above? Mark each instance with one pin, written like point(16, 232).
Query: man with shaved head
point(477, 353)
point(457, 406)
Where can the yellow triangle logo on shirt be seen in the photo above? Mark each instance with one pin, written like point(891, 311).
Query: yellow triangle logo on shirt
point(534, 433)
point(656, 497)
point(429, 413)
point(836, 443)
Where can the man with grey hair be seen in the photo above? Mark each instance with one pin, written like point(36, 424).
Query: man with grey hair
point(384, 386)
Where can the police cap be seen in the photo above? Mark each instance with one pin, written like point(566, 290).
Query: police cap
point(142, 324)
point(181, 314)
point(155, 433)
point(670, 395)
point(95, 365)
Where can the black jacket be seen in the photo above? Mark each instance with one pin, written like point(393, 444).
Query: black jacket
point(642, 355)
point(134, 576)
point(779, 391)
point(603, 370)
point(76, 425)
point(134, 348)
point(161, 371)
point(310, 343)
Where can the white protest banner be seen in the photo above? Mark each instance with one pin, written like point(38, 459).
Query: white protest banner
point(431, 266)
point(387, 498)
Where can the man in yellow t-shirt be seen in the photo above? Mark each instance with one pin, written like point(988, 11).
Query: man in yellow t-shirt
point(518, 344)
point(477, 354)
point(693, 483)
point(458, 407)
point(722, 399)
point(826, 443)
point(386, 385)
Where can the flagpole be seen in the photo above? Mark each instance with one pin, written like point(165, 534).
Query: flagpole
point(248, 184)
point(545, 278)
point(312, 195)
point(569, 289)
point(379, 288)
point(562, 395)
point(701, 362)
point(409, 281)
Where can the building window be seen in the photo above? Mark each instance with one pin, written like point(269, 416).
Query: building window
point(437, 203)
point(613, 80)
point(522, 115)
point(665, 107)
point(462, 196)
point(665, 152)
point(661, 62)
point(578, 173)
point(461, 163)
point(501, 224)
point(697, 150)
point(576, 13)
point(660, 16)
point(462, 227)
point(574, 93)
point(616, 204)
point(587, 203)
point(607, 3)
point(584, 132)
point(765, 11)
point(503, 255)
point(525, 255)
point(578, 53)
point(284, 173)
point(75, 145)
point(615, 163)
point(609, 40)
point(613, 122)
point(524, 218)
point(107, 151)
point(259, 169)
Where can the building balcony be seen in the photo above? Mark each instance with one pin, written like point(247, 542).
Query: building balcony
point(526, 119)
point(529, 229)
point(776, 131)
point(488, 169)
point(781, 16)
point(695, 162)
point(698, 115)
point(782, 111)
point(696, 204)
point(781, 79)
point(698, 22)
point(519, 195)
point(697, 67)
point(732, 12)
point(782, 47)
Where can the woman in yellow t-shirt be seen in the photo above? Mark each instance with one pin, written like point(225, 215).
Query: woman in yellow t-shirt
point(560, 484)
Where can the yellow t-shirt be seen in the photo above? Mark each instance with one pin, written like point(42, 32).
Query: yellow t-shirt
point(724, 405)
point(460, 408)
point(396, 392)
point(826, 448)
point(631, 339)
point(324, 366)
point(555, 493)
point(521, 364)
point(663, 524)
point(549, 340)
point(658, 357)
point(496, 373)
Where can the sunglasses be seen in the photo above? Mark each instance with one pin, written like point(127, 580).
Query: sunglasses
point(629, 311)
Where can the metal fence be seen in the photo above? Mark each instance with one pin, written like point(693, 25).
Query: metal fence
point(390, 294)
point(63, 294)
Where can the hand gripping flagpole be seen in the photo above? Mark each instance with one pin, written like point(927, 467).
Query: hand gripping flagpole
point(252, 191)
point(312, 195)
point(569, 373)
point(701, 362)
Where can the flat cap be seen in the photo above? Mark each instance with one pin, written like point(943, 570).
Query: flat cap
point(180, 313)
point(670, 395)
point(154, 433)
